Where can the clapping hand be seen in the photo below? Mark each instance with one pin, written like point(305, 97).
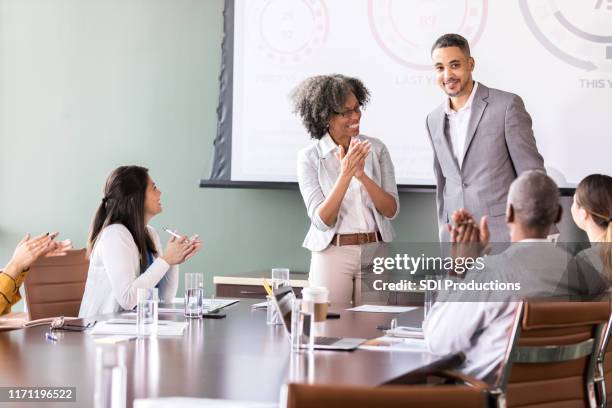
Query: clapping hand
point(29, 249)
point(352, 163)
point(178, 250)
point(196, 244)
point(468, 238)
point(59, 247)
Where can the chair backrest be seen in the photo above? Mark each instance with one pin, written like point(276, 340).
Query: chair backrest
point(322, 396)
point(552, 355)
point(54, 286)
point(603, 371)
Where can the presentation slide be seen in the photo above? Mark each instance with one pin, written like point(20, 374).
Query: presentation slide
point(555, 54)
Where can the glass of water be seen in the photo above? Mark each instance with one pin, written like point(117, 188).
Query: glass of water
point(111, 377)
point(272, 315)
point(302, 319)
point(146, 311)
point(280, 277)
point(194, 294)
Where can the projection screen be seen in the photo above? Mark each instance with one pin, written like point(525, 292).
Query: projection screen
point(555, 54)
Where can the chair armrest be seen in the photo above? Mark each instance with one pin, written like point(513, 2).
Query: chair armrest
point(464, 379)
point(421, 375)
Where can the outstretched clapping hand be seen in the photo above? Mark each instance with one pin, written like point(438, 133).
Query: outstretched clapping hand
point(29, 249)
point(179, 250)
point(352, 163)
point(468, 238)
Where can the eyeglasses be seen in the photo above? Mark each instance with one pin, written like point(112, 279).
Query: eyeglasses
point(61, 323)
point(349, 113)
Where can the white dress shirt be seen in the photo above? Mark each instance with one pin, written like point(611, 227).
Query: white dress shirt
point(114, 273)
point(458, 122)
point(478, 329)
point(481, 329)
point(354, 215)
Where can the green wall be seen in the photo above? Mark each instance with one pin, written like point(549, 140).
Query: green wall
point(86, 86)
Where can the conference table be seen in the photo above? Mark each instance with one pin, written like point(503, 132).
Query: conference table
point(238, 357)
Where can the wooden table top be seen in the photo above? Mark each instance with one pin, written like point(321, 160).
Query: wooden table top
point(239, 357)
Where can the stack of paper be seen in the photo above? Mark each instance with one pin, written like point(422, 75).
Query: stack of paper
point(171, 310)
point(260, 306)
point(113, 339)
point(124, 328)
point(406, 332)
point(381, 309)
point(387, 343)
point(208, 305)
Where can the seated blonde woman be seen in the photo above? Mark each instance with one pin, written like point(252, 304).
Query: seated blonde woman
point(26, 253)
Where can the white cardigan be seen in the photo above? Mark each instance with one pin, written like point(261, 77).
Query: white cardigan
point(114, 273)
point(317, 172)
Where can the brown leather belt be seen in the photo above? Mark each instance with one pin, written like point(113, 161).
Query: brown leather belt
point(356, 239)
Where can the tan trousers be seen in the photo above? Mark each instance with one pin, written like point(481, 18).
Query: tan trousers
point(343, 270)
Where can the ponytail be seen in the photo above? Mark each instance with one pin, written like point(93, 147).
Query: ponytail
point(97, 225)
point(606, 251)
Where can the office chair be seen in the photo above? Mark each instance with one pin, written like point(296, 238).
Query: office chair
point(54, 286)
point(603, 369)
point(441, 396)
point(552, 355)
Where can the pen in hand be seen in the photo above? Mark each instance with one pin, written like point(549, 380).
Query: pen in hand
point(175, 235)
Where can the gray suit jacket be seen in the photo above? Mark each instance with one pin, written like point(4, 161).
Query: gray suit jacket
point(317, 173)
point(499, 146)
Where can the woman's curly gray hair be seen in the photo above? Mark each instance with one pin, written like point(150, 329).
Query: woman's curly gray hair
point(318, 97)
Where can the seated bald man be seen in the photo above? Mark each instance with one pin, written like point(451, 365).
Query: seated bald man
point(478, 324)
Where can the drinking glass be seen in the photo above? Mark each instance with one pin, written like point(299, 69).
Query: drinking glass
point(280, 277)
point(272, 315)
point(430, 296)
point(302, 319)
point(194, 294)
point(110, 377)
point(146, 311)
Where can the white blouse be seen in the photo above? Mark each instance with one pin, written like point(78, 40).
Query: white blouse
point(114, 273)
point(355, 214)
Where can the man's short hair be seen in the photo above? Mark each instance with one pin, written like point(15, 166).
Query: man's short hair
point(452, 40)
point(535, 199)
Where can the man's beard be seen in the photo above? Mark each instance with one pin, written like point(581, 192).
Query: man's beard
point(459, 92)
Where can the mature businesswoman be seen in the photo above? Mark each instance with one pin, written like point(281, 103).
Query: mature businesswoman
point(347, 182)
point(592, 212)
point(125, 252)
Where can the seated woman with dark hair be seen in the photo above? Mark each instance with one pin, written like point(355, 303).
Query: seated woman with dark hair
point(125, 253)
point(27, 252)
point(592, 213)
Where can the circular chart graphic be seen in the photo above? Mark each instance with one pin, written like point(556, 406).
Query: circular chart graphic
point(577, 32)
point(290, 31)
point(406, 30)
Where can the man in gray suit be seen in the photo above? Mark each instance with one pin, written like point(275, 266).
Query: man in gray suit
point(482, 140)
